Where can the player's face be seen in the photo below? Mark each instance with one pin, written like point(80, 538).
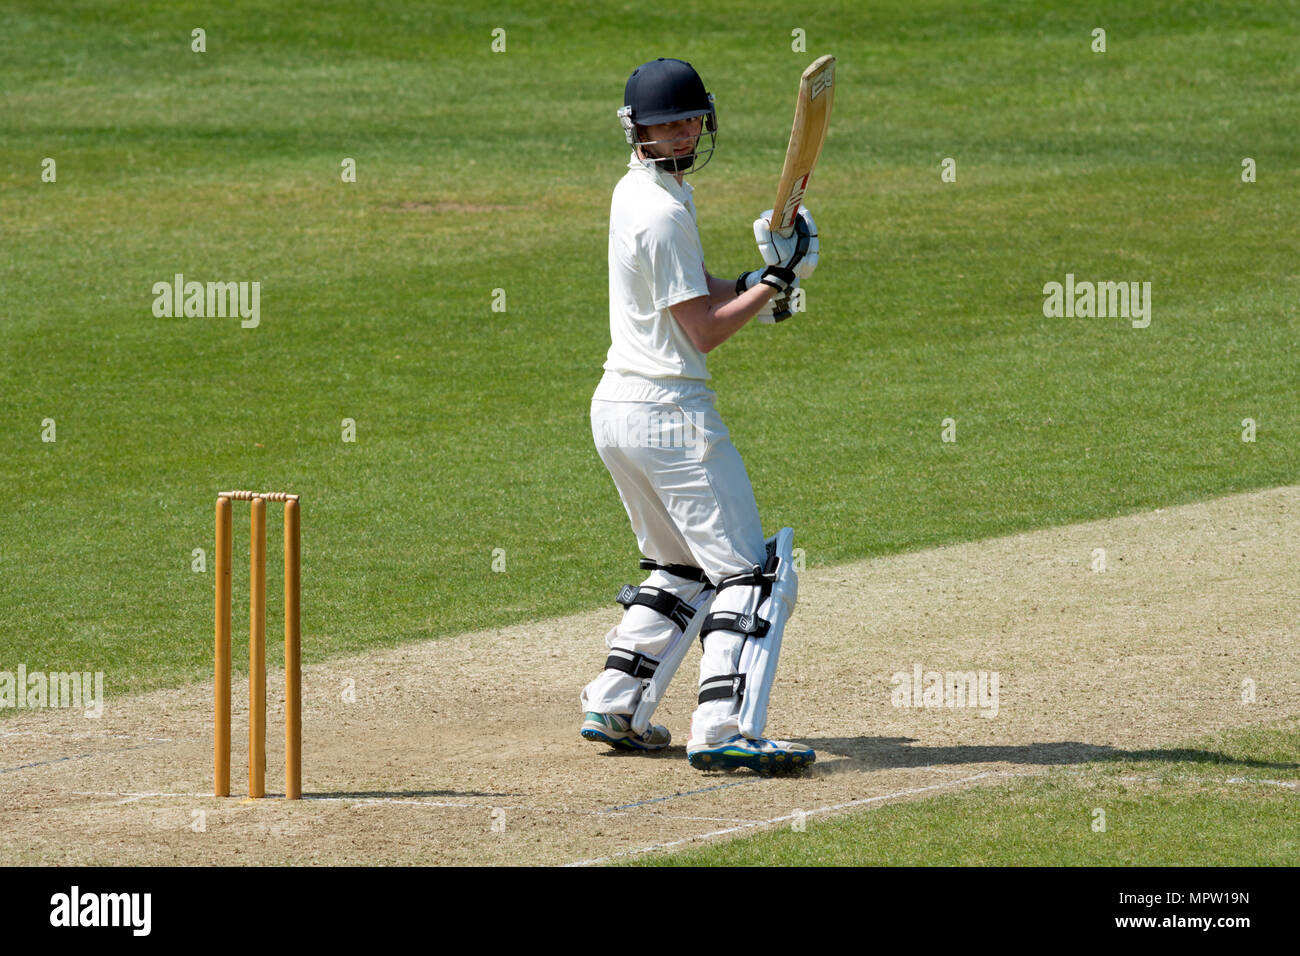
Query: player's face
point(674, 142)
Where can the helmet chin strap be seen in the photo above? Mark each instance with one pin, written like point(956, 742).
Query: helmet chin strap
point(677, 164)
point(671, 164)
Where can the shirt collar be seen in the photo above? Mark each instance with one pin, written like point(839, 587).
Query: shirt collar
point(681, 193)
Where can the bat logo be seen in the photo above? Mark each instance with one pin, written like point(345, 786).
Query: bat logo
point(821, 83)
point(792, 207)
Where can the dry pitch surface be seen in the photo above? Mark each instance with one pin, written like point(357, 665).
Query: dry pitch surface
point(465, 750)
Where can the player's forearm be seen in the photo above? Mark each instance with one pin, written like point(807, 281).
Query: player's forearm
point(720, 290)
point(709, 320)
point(729, 317)
point(722, 293)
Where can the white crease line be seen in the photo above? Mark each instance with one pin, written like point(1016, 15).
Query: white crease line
point(742, 825)
point(116, 799)
point(126, 800)
point(520, 808)
point(132, 795)
point(1276, 783)
point(1182, 778)
point(128, 797)
point(791, 816)
point(84, 735)
point(673, 816)
point(380, 801)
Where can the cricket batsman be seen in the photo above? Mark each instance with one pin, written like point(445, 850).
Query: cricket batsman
point(712, 575)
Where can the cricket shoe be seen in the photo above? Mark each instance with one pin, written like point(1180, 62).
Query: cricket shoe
point(616, 730)
point(765, 756)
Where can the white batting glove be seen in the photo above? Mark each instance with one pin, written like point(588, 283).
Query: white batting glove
point(775, 309)
point(799, 252)
point(778, 307)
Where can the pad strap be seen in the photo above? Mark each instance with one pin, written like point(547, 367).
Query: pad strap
point(687, 571)
point(755, 577)
point(751, 625)
point(761, 577)
point(657, 599)
point(631, 662)
point(722, 688)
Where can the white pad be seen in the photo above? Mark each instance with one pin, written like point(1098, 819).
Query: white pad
point(653, 688)
point(759, 656)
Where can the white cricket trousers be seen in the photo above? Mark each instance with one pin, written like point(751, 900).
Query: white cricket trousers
point(690, 502)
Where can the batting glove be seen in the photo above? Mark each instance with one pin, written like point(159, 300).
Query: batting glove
point(799, 252)
point(777, 308)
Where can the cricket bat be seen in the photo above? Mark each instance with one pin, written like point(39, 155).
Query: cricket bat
point(812, 117)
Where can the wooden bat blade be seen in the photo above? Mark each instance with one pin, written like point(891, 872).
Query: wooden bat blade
point(812, 117)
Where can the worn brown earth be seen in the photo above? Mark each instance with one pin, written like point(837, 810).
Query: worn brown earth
point(465, 750)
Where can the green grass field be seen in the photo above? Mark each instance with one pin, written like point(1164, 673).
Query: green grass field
point(471, 425)
point(1227, 800)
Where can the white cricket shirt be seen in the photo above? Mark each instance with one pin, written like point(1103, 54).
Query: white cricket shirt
point(655, 261)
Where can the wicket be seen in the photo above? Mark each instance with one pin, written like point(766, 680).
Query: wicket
point(257, 645)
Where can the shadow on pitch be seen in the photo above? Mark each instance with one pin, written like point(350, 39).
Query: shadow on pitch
point(885, 753)
point(400, 794)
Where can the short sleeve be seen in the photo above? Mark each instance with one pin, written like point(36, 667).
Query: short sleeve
point(673, 259)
